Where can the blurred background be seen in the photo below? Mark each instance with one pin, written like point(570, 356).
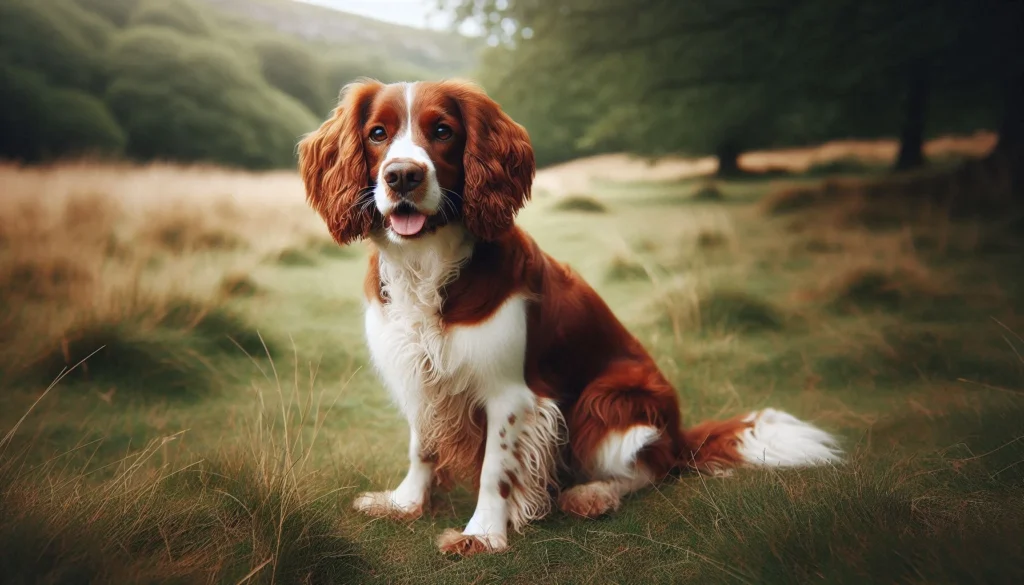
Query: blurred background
point(815, 206)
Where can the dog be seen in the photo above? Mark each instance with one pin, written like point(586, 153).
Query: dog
point(512, 372)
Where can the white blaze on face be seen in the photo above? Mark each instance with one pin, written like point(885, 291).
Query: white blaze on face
point(404, 146)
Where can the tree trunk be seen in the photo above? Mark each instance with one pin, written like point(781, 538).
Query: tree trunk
point(728, 155)
point(1010, 148)
point(911, 154)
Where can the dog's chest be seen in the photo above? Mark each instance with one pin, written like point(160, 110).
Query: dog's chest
point(419, 356)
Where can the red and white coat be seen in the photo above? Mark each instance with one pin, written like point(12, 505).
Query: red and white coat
point(513, 374)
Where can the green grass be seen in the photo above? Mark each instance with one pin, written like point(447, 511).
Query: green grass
point(581, 204)
point(253, 474)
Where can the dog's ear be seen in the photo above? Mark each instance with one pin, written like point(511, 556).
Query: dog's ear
point(333, 166)
point(498, 163)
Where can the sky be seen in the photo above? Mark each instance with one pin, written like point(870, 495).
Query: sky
point(417, 13)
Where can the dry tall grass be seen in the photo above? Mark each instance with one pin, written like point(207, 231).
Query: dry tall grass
point(256, 512)
point(134, 258)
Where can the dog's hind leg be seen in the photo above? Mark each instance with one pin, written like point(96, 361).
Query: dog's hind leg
point(624, 436)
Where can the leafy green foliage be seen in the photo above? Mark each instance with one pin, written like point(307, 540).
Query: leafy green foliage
point(185, 81)
point(41, 121)
point(56, 39)
point(724, 77)
point(294, 69)
point(115, 11)
point(191, 99)
point(180, 15)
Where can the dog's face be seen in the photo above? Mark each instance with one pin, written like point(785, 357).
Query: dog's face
point(397, 161)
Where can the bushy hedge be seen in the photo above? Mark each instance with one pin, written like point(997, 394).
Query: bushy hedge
point(294, 69)
point(190, 99)
point(57, 39)
point(162, 80)
point(41, 121)
point(115, 11)
point(180, 15)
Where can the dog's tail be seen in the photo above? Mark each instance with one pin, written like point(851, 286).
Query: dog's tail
point(766, 437)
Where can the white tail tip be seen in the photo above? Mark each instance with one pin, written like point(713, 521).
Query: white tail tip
point(780, 439)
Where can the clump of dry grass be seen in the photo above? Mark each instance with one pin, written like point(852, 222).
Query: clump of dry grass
point(976, 187)
point(625, 268)
point(712, 239)
point(24, 278)
point(707, 192)
point(893, 286)
point(789, 199)
point(258, 514)
point(182, 235)
point(687, 306)
point(239, 284)
point(580, 203)
point(293, 256)
point(155, 346)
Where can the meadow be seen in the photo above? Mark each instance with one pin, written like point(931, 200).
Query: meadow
point(186, 396)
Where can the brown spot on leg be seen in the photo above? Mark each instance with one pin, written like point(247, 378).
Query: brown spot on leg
point(504, 447)
point(513, 479)
point(501, 433)
point(512, 419)
point(504, 489)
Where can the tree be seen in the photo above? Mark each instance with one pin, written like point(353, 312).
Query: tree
point(189, 99)
point(116, 12)
point(294, 69)
point(745, 69)
point(42, 122)
point(59, 40)
point(180, 15)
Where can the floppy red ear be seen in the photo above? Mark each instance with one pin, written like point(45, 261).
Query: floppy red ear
point(333, 166)
point(498, 164)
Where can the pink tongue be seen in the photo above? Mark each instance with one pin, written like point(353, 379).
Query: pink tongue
point(408, 224)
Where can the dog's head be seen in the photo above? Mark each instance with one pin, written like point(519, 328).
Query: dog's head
point(400, 160)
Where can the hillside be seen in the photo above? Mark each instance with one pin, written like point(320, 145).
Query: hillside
point(435, 52)
point(230, 82)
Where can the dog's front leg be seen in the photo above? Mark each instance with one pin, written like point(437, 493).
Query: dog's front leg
point(508, 412)
point(406, 501)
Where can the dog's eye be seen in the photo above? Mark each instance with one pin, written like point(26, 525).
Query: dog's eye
point(378, 134)
point(443, 132)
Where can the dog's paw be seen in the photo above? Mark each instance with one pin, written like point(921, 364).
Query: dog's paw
point(589, 500)
point(384, 505)
point(453, 542)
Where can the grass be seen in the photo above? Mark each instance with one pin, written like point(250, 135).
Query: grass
point(239, 284)
point(707, 192)
point(580, 204)
point(173, 457)
point(254, 513)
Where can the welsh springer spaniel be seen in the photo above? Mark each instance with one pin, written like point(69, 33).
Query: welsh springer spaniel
point(512, 372)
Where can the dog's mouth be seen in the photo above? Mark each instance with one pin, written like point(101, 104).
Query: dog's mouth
point(407, 221)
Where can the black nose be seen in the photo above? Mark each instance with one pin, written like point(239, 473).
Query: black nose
point(404, 176)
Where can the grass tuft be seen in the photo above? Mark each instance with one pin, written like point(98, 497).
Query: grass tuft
point(153, 351)
point(42, 278)
point(580, 203)
point(740, 312)
point(181, 235)
point(294, 257)
point(710, 239)
point(622, 268)
point(255, 514)
point(903, 286)
point(330, 248)
point(707, 192)
point(239, 285)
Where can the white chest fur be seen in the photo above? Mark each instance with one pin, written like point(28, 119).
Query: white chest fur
point(418, 358)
